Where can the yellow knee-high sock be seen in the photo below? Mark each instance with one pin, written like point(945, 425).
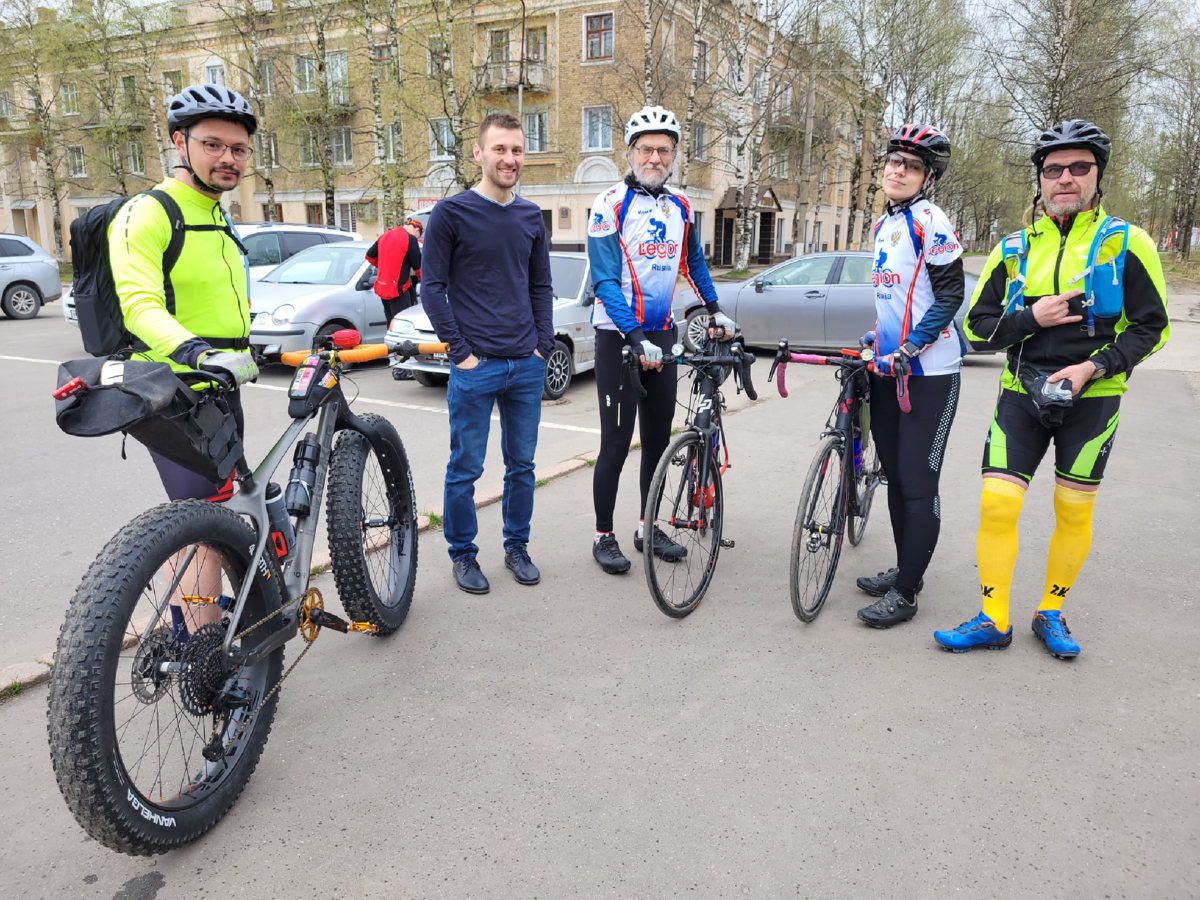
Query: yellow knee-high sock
point(996, 545)
point(1069, 544)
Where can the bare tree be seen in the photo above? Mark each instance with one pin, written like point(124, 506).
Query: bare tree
point(150, 25)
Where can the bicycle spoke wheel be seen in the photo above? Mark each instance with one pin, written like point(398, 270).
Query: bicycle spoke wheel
point(145, 757)
point(686, 502)
point(372, 529)
point(817, 537)
point(866, 480)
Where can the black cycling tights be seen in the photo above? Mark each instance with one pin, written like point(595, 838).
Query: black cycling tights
point(911, 447)
point(619, 406)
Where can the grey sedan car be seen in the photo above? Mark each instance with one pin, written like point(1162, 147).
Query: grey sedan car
point(28, 277)
point(574, 337)
point(824, 300)
point(303, 301)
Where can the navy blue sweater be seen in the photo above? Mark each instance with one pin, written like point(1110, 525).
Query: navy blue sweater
point(485, 277)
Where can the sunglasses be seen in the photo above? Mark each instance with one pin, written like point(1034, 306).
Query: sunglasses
point(1078, 169)
point(903, 162)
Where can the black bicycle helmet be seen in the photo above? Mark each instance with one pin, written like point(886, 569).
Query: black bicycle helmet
point(208, 101)
point(1073, 134)
point(924, 141)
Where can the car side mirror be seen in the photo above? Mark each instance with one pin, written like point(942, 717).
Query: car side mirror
point(589, 296)
point(758, 285)
point(368, 280)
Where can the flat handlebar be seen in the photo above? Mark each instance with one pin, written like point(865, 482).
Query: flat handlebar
point(366, 353)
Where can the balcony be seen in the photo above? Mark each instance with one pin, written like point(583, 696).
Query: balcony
point(505, 77)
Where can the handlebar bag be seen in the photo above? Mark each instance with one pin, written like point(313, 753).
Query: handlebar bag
point(146, 401)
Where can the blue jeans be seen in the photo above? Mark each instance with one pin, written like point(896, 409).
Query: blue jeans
point(515, 386)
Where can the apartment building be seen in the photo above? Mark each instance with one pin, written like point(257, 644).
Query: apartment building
point(399, 105)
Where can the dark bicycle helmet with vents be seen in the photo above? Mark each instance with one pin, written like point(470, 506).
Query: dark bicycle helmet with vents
point(197, 102)
point(1073, 134)
point(924, 141)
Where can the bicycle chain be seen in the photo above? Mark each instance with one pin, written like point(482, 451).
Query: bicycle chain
point(275, 690)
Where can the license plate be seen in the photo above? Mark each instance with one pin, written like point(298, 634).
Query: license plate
point(438, 356)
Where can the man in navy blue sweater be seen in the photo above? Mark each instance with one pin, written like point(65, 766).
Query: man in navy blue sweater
point(488, 293)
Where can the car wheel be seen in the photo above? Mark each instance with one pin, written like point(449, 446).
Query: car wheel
point(324, 333)
point(694, 329)
point(21, 302)
point(558, 372)
point(431, 379)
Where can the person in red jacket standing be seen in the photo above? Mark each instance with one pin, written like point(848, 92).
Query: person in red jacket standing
point(397, 256)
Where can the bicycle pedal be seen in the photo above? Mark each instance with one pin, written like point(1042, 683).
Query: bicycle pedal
point(727, 543)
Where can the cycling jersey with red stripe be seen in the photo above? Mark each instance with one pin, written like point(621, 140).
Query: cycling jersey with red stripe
point(638, 245)
point(907, 243)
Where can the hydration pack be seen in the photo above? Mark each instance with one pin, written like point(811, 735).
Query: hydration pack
point(1103, 276)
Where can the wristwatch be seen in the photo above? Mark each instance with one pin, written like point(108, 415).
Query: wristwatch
point(1099, 373)
point(909, 349)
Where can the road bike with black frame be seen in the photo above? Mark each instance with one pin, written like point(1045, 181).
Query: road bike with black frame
point(686, 499)
point(840, 486)
point(155, 729)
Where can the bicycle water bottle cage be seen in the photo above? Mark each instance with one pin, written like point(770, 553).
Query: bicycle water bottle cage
point(1104, 275)
point(1016, 254)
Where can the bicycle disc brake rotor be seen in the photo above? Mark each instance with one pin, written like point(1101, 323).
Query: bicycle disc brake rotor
point(147, 677)
point(202, 675)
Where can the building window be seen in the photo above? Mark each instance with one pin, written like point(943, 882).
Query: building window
point(783, 102)
point(343, 147)
point(700, 140)
point(68, 98)
point(385, 147)
point(702, 60)
point(535, 44)
point(337, 73)
point(310, 149)
point(214, 73)
point(499, 42)
point(129, 91)
point(385, 61)
point(111, 157)
point(698, 215)
point(266, 78)
point(439, 56)
point(441, 139)
point(304, 74)
point(75, 162)
point(779, 235)
point(266, 212)
point(777, 164)
point(314, 213)
point(599, 36)
point(137, 159)
point(535, 132)
point(760, 87)
point(266, 150)
point(172, 83)
point(730, 156)
point(5, 105)
point(597, 128)
point(347, 218)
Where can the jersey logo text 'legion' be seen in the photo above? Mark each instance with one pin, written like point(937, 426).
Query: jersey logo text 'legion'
point(942, 244)
point(599, 225)
point(881, 276)
point(658, 246)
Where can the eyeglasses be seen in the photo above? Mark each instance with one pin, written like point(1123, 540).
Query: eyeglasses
point(662, 152)
point(1078, 169)
point(903, 162)
point(216, 149)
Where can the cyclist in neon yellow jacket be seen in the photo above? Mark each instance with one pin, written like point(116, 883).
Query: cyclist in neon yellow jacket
point(198, 311)
point(1078, 300)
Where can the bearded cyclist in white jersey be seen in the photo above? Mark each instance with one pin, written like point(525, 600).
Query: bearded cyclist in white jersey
point(641, 237)
point(918, 277)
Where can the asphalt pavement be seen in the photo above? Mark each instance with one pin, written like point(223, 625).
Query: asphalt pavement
point(569, 740)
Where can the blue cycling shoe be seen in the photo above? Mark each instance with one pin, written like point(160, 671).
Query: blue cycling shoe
point(1050, 626)
point(979, 632)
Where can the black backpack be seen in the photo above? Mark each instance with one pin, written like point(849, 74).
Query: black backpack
point(96, 304)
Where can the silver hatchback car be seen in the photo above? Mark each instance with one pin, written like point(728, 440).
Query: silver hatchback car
point(29, 277)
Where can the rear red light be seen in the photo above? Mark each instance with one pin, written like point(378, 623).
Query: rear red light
point(71, 388)
point(346, 338)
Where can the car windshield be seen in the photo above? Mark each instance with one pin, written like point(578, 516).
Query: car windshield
point(325, 264)
point(566, 273)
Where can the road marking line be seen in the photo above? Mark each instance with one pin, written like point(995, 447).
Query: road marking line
point(49, 362)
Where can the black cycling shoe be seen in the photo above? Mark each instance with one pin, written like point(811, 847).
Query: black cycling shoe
point(517, 559)
point(609, 555)
point(880, 584)
point(664, 548)
point(469, 576)
point(402, 374)
point(890, 609)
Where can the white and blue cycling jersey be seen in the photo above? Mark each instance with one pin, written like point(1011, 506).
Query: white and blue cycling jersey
point(917, 290)
point(638, 245)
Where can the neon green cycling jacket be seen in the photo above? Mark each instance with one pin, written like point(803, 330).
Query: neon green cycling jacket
point(1055, 261)
point(209, 278)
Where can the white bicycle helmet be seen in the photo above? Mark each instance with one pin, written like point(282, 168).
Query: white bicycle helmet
point(652, 120)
